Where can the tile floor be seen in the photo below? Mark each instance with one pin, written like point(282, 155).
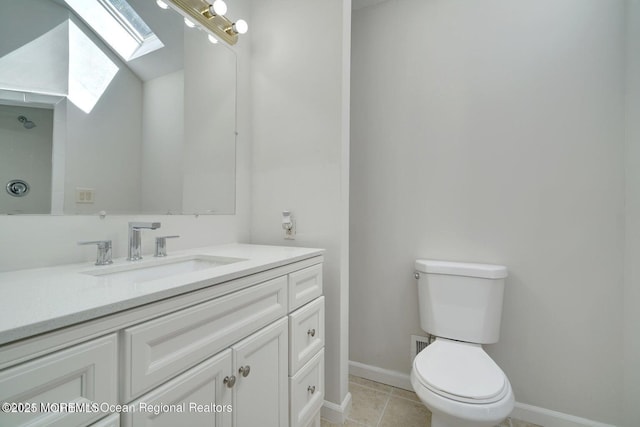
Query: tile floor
point(379, 405)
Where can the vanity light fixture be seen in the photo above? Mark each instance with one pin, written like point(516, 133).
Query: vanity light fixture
point(211, 17)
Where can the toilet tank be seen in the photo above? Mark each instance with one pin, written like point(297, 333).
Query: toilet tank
point(461, 301)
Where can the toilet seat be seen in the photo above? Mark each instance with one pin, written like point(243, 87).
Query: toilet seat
point(460, 371)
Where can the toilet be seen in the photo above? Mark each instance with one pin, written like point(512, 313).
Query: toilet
point(461, 305)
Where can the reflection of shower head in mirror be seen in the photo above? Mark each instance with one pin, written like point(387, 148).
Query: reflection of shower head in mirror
point(28, 124)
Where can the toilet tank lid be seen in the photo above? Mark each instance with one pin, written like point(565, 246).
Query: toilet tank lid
point(485, 271)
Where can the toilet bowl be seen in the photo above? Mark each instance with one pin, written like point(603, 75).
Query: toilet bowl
point(461, 385)
point(461, 305)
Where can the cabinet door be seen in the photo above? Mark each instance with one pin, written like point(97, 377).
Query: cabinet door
point(260, 395)
point(197, 398)
point(84, 374)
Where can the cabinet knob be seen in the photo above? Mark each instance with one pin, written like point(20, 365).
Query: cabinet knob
point(311, 332)
point(311, 389)
point(245, 370)
point(230, 381)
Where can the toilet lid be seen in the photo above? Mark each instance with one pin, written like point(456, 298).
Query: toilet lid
point(460, 371)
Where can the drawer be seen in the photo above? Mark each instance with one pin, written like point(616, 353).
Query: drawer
point(304, 286)
point(159, 349)
point(306, 391)
point(306, 333)
point(82, 374)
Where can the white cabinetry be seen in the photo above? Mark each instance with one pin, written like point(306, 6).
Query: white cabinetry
point(79, 375)
point(251, 357)
point(306, 346)
point(198, 397)
point(261, 397)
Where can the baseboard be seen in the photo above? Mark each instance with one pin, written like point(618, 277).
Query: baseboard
point(385, 376)
point(522, 411)
point(548, 418)
point(334, 413)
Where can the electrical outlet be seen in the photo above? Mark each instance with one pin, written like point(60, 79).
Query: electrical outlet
point(290, 231)
point(85, 195)
point(288, 225)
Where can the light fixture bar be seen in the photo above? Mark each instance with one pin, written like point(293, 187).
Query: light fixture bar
point(198, 11)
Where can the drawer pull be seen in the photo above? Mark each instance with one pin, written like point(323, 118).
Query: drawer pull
point(245, 370)
point(311, 389)
point(311, 332)
point(230, 381)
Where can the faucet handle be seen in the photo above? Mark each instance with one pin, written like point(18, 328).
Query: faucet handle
point(161, 245)
point(104, 251)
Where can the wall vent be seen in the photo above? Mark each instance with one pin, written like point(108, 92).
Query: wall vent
point(419, 343)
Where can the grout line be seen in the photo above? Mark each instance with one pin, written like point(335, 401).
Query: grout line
point(383, 410)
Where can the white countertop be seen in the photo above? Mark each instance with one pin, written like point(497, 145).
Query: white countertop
point(41, 300)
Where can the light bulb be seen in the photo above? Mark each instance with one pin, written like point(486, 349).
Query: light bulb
point(241, 26)
point(189, 23)
point(213, 39)
point(219, 7)
point(162, 4)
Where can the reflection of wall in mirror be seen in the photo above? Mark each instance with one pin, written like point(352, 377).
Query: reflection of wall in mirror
point(103, 147)
point(25, 154)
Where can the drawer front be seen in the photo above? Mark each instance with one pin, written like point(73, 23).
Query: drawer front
point(82, 375)
point(306, 334)
point(306, 391)
point(304, 286)
point(161, 348)
point(198, 397)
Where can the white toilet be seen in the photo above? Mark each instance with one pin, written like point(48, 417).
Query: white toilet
point(461, 305)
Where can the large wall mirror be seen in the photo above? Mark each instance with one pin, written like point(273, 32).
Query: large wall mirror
point(85, 128)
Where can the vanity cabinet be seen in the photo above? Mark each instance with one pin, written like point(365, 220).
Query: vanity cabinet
point(249, 357)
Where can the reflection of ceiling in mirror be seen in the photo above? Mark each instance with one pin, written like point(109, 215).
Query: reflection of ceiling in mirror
point(75, 66)
point(90, 70)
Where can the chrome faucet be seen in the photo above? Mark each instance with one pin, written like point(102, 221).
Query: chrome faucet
point(135, 238)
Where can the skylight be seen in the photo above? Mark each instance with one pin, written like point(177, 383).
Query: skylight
point(118, 25)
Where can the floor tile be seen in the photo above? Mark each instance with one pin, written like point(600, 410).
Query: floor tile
point(371, 384)
point(405, 413)
point(348, 423)
point(405, 394)
point(366, 404)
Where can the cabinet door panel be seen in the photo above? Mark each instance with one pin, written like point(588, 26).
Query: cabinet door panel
point(306, 390)
point(304, 286)
point(261, 397)
point(82, 374)
point(197, 398)
point(306, 334)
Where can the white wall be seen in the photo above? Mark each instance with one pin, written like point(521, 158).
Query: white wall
point(493, 132)
point(162, 143)
point(632, 267)
point(26, 155)
point(104, 148)
point(40, 240)
point(299, 141)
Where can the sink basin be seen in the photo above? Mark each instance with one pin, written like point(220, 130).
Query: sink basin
point(160, 268)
